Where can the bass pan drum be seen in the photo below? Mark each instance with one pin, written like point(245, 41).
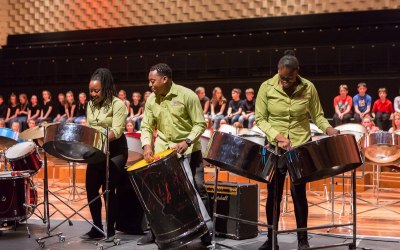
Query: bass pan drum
point(74, 142)
point(382, 147)
point(322, 158)
point(241, 156)
point(169, 200)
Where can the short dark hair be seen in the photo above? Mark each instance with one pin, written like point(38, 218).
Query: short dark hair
point(162, 69)
point(289, 60)
point(362, 84)
point(239, 91)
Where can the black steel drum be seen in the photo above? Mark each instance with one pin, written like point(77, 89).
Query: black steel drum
point(74, 142)
point(322, 158)
point(241, 156)
point(169, 200)
point(382, 147)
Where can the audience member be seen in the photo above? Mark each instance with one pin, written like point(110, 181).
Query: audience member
point(362, 102)
point(382, 110)
point(81, 109)
point(70, 107)
point(33, 109)
point(218, 104)
point(248, 109)
point(342, 104)
point(235, 107)
point(395, 123)
point(12, 111)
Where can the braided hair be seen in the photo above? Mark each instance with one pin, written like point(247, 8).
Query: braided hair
point(107, 83)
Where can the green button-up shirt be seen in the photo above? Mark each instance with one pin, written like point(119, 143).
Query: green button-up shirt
point(176, 116)
point(276, 112)
point(110, 116)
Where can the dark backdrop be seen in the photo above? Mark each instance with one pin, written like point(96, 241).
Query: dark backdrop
point(332, 49)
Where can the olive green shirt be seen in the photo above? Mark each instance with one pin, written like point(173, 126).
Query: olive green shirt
point(110, 116)
point(276, 112)
point(176, 116)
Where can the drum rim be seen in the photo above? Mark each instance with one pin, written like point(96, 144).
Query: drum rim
point(22, 156)
point(132, 168)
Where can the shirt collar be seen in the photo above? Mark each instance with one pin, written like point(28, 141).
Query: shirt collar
point(275, 83)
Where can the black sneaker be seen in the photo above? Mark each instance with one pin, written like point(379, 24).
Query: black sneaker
point(303, 244)
point(206, 239)
point(148, 238)
point(110, 235)
point(93, 234)
point(267, 246)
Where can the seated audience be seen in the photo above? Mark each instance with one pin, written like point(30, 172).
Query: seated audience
point(342, 104)
point(382, 110)
point(361, 102)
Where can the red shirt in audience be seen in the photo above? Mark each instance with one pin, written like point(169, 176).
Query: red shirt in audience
point(385, 107)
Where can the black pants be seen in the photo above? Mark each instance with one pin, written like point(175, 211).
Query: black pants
point(196, 165)
point(383, 120)
point(346, 119)
point(299, 197)
point(96, 179)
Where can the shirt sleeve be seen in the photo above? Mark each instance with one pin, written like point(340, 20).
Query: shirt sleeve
point(262, 114)
point(335, 101)
point(349, 101)
point(369, 100)
point(396, 104)
point(375, 107)
point(195, 112)
point(316, 111)
point(355, 101)
point(148, 125)
point(119, 116)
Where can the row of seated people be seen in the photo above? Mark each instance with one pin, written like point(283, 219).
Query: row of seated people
point(22, 110)
point(360, 105)
point(218, 111)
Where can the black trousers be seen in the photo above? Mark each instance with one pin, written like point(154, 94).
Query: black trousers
point(197, 167)
point(383, 120)
point(337, 121)
point(96, 179)
point(299, 197)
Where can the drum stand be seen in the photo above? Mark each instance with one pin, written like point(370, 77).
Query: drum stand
point(274, 226)
point(73, 188)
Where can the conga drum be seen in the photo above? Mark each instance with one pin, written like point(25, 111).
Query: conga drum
point(169, 200)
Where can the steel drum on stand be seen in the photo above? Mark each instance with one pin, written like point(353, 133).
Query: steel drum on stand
point(74, 142)
point(382, 147)
point(241, 156)
point(323, 158)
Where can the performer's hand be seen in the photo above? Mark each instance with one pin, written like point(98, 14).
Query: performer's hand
point(283, 142)
point(332, 131)
point(181, 147)
point(148, 153)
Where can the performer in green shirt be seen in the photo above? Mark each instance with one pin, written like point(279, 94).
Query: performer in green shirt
point(283, 104)
point(176, 113)
point(105, 110)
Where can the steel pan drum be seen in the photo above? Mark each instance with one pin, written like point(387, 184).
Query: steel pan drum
point(135, 151)
point(381, 147)
point(74, 142)
point(322, 158)
point(169, 200)
point(228, 129)
point(252, 135)
point(241, 156)
point(355, 129)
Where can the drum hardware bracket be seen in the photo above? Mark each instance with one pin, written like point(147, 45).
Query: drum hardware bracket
point(274, 227)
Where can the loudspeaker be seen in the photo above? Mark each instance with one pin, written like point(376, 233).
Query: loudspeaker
point(238, 200)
